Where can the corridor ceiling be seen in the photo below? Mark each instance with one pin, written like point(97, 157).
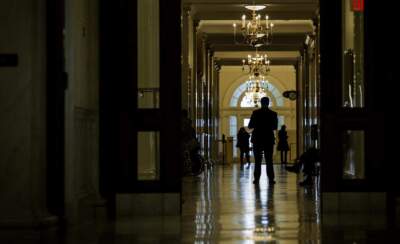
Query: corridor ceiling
point(293, 21)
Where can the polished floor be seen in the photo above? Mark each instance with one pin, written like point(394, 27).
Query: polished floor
point(223, 206)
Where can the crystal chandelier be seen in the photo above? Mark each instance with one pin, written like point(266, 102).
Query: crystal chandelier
point(256, 32)
point(256, 88)
point(257, 64)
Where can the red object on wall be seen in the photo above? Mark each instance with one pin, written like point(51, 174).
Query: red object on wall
point(358, 5)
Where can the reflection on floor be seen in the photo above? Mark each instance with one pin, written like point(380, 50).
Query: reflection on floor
point(223, 206)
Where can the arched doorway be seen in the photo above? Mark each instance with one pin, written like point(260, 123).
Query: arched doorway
point(236, 109)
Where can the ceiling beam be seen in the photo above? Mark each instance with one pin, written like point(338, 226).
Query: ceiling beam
point(241, 2)
point(277, 38)
point(232, 11)
point(280, 42)
point(245, 48)
point(274, 61)
point(286, 15)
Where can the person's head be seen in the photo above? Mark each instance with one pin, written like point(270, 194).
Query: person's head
point(264, 102)
point(283, 127)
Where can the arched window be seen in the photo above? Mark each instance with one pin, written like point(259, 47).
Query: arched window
point(274, 94)
point(247, 102)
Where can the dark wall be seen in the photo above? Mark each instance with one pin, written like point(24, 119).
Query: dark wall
point(56, 85)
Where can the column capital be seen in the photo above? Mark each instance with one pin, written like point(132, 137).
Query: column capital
point(217, 67)
point(204, 38)
point(217, 64)
point(210, 51)
point(196, 23)
point(187, 9)
point(315, 20)
point(302, 51)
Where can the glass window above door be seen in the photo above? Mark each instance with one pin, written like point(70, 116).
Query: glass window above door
point(353, 54)
point(148, 59)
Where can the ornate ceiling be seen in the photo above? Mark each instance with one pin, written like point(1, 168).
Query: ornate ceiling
point(293, 21)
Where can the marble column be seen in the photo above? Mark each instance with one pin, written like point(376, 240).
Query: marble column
point(215, 107)
point(197, 73)
point(81, 110)
point(300, 105)
point(185, 58)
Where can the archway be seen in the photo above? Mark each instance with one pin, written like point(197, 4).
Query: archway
point(235, 112)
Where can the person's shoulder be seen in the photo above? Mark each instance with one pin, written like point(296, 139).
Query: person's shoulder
point(272, 111)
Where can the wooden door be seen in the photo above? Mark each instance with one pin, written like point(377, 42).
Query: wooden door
point(140, 96)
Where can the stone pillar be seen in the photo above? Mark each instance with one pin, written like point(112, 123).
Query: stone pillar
point(300, 106)
point(307, 94)
point(203, 87)
point(81, 110)
point(193, 111)
point(185, 57)
point(208, 102)
point(198, 80)
point(215, 106)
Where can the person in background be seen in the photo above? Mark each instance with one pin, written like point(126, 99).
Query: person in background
point(283, 145)
point(243, 145)
point(308, 162)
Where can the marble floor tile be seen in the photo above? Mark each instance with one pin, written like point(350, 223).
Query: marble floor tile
point(223, 206)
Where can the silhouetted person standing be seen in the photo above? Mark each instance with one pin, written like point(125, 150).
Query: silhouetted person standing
point(264, 121)
point(283, 145)
point(243, 145)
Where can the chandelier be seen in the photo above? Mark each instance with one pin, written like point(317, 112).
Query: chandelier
point(256, 88)
point(256, 32)
point(257, 64)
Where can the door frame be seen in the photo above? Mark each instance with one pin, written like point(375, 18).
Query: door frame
point(56, 83)
point(120, 119)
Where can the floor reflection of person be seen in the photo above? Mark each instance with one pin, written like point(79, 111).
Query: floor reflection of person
point(264, 220)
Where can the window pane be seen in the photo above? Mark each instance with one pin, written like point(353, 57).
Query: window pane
point(148, 155)
point(353, 158)
point(232, 131)
point(246, 122)
point(353, 54)
point(148, 54)
point(281, 121)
